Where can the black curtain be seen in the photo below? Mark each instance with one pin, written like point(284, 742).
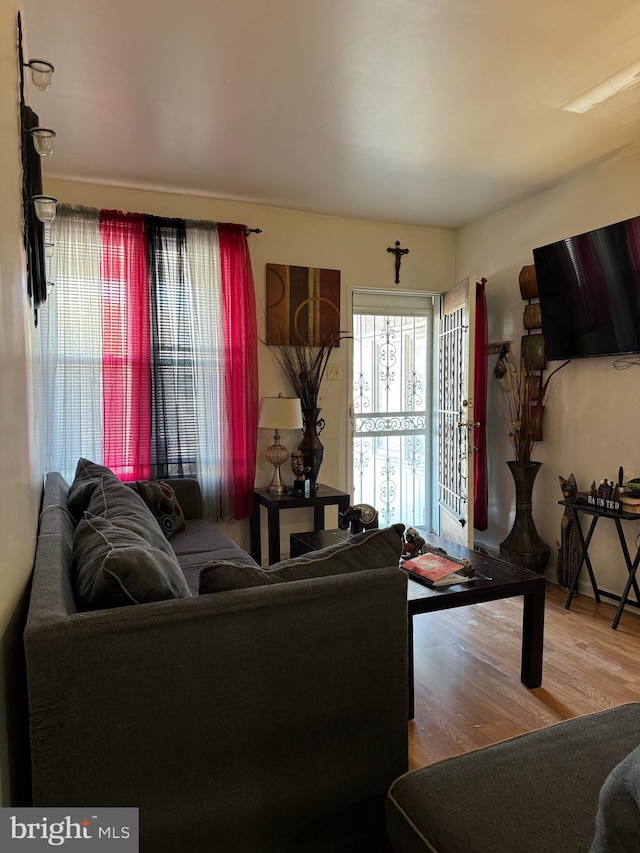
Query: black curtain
point(172, 381)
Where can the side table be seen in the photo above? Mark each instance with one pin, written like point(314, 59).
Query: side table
point(314, 540)
point(577, 507)
point(325, 496)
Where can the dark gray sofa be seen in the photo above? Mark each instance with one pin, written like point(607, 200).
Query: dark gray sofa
point(535, 793)
point(271, 718)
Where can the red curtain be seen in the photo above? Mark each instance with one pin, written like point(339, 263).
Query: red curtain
point(126, 360)
point(241, 357)
point(480, 485)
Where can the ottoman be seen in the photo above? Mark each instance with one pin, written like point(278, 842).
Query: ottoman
point(532, 793)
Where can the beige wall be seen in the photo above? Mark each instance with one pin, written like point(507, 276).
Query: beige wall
point(355, 247)
point(20, 471)
point(590, 426)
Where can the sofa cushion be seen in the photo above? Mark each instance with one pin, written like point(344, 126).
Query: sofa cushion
point(373, 549)
point(114, 567)
point(125, 508)
point(162, 501)
point(86, 479)
point(200, 537)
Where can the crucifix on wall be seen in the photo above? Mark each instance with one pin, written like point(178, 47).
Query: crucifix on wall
point(398, 252)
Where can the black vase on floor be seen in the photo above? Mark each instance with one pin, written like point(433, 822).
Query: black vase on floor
point(523, 546)
point(311, 446)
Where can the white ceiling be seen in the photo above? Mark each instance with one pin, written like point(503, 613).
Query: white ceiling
point(426, 112)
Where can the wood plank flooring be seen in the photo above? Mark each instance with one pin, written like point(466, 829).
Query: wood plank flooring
point(467, 672)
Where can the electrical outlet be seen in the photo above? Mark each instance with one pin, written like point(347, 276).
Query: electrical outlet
point(333, 373)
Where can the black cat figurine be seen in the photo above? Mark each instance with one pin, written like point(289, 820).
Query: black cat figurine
point(569, 487)
point(568, 547)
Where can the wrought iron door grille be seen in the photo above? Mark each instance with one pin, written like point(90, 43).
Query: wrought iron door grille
point(391, 415)
point(452, 482)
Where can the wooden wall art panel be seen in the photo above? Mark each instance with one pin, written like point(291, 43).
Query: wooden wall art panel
point(303, 305)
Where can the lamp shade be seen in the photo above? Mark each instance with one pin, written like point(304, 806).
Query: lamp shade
point(280, 413)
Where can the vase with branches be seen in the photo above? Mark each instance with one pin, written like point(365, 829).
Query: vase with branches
point(527, 397)
point(305, 368)
point(526, 401)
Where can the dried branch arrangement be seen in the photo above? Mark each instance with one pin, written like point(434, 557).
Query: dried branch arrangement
point(305, 367)
point(525, 405)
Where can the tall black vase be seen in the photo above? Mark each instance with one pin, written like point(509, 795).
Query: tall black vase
point(523, 546)
point(311, 446)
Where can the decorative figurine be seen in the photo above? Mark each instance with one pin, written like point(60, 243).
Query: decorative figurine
point(569, 545)
point(358, 518)
point(412, 542)
point(569, 487)
point(300, 470)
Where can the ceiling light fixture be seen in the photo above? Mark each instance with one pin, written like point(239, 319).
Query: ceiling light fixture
point(620, 81)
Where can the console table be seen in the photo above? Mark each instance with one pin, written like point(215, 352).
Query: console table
point(274, 504)
point(574, 508)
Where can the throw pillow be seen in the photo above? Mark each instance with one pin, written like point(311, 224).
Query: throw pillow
point(162, 501)
point(114, 567)
point(123, 506)
point(86, 479)
point(373, 549)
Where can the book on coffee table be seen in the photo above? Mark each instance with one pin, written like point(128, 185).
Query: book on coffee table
point(436, 570)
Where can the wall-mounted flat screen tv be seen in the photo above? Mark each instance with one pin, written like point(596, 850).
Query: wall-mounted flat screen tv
point(589, 289)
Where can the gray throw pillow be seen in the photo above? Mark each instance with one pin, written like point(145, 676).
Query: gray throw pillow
point(86, 479)
point(114, 567)
point(123, 505)
point(373, 549)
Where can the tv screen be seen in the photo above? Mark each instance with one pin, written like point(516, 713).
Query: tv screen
point(589, 289)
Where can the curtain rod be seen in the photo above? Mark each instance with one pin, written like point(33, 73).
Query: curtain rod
point(254, 231)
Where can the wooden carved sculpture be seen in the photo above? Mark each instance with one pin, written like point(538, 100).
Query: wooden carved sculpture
point(569, 545)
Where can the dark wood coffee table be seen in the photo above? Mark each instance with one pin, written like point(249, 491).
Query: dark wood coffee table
point(501, 580)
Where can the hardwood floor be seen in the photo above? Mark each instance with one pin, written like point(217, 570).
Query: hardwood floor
point(467, 672)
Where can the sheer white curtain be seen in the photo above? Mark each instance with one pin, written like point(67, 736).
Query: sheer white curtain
point(71, 322)
point(207, 335)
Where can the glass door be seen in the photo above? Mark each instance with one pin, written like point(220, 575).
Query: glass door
point(392, 405)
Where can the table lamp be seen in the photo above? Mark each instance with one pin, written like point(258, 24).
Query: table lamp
point(279, 413)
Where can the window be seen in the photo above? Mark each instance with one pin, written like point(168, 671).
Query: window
point(149, 344)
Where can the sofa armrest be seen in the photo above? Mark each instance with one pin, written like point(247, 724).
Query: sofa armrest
point(245, 716)
point(189, 496)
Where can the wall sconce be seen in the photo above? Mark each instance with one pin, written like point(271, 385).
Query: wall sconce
point(41, 73)
point(36, 142)
point(43, 140)
point(45, 207)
